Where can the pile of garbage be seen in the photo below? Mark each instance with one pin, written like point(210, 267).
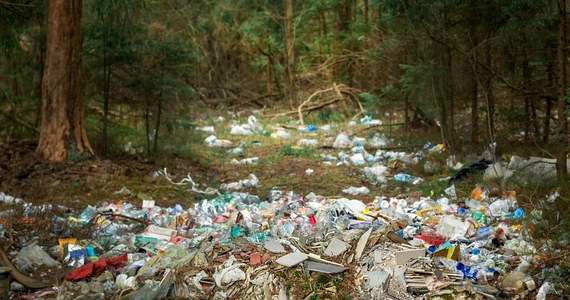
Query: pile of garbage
point(287, 245)
point(240, 245)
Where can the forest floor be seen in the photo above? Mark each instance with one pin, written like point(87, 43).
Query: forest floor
point(283, 164)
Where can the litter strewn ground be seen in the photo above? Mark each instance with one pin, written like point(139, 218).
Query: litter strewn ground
point(233, 243)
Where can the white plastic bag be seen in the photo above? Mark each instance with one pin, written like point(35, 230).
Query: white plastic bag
point(342, 141)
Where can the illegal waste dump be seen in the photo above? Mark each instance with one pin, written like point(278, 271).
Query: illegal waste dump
point(229, 242)
point(237, 245)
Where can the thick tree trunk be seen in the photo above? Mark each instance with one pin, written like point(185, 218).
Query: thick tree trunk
point(561, 166)
point(59, 83)
point(290, 53)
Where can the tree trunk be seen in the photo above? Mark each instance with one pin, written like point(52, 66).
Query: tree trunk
point(106, 100)
point(526, 84)
point(450, 96)
point(366, 12)
point(474, 106)
point(147, 123)
point(489, 94)
point(157, 125)
point(341, 71)
point(548, 110)
point(561, 166)
point(474, 93)
point(290, 53)
point(78, 118)
point(547, 116)
point(534, 119)
point(62, 101)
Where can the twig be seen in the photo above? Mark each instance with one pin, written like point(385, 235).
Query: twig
point(300, 108)
point(377, 125)
point(317, 106)
point(187, 180)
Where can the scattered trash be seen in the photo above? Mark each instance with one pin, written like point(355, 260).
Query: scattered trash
point(292, 259)
point(342, 141)
point(325, 268)
point(274, 246)
point(403, 256)
point(213, 141)
point(336, 247)
point(356, 190)
point(378, 278)
point(311, 143)
point(206, 129)
point(231, 243)
point(245, 161)
point(244, 183)
point(32, 257)
point(472, 168)
point(402, 177)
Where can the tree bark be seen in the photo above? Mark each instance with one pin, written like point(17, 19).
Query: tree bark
point(548, 109)
point(366, 12)
point(474, 93)
point(449, 97)
point(561, 166)
point(547, 116)
point(489, 94)
point(341, 69)
point(158, 120)
point(526, 96)
point(77, 102)
point(290, 53)
point(62, 100)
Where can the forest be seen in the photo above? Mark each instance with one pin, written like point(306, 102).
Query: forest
point(476, 72)
point(284, 149)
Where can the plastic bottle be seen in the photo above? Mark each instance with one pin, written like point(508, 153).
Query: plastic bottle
point(479, 216)
point(518, 213)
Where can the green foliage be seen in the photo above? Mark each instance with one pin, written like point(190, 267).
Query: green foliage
point(328, 115)
point(289, 150)
point(148, 62)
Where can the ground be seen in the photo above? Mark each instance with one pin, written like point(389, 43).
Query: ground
point(283, 165)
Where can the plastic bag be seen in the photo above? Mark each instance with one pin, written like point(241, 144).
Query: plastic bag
point(356, 190)
point(30, 258)
point(342, 141)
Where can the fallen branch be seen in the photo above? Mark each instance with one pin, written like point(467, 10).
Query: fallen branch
point(188, 180)
point(338, 92)
point(310, 108)
point(300, 108)
point(377, 125)
point(23, 279)
point(21, 122)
